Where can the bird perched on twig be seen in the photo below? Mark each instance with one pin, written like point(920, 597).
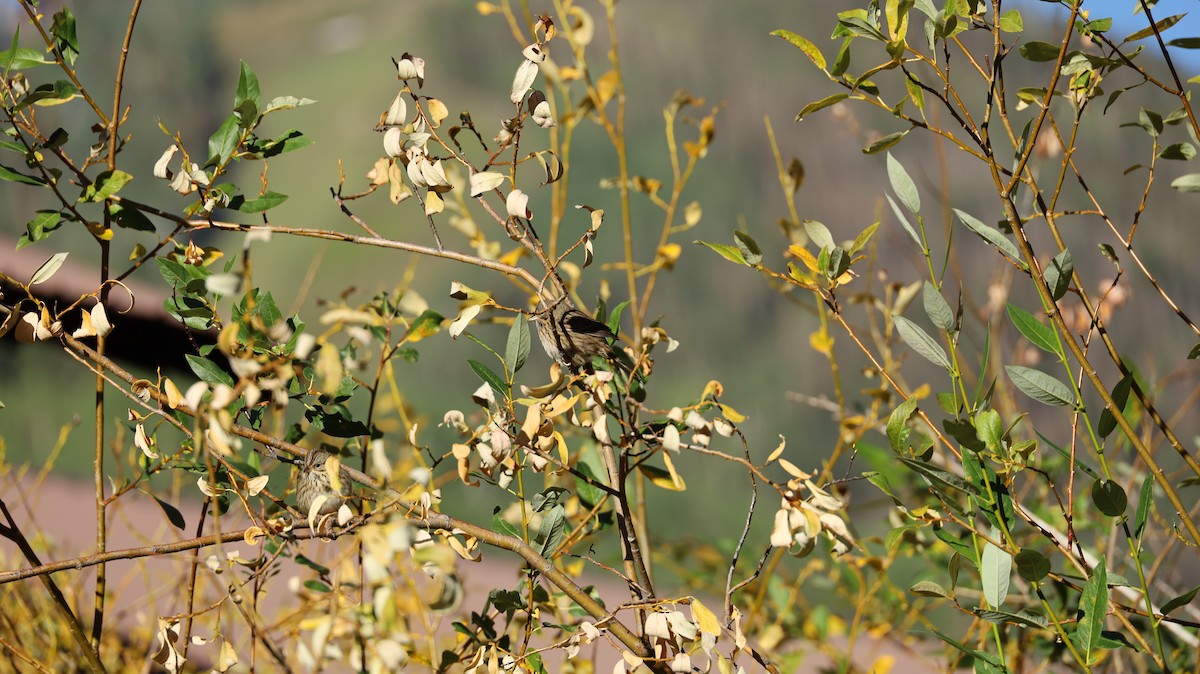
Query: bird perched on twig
point(572, 338)
point(313, 481)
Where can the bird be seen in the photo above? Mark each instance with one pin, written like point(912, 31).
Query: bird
point(313, 481)
point(572, 338)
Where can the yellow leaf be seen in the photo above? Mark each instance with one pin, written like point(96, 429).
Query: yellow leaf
point(252, 535)
point(821, 342)
point(801, 253)
point(705, 618)
point(661, 478)
point(437, 112)
point(669, 254)
point(329, 369)
point(731, 414)
point(712, 388)
point(174, 397)
point(606, 86)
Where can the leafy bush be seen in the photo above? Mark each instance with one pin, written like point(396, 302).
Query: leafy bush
point(1017, 519)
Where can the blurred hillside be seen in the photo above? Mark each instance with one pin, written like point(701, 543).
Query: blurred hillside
point(183, 71)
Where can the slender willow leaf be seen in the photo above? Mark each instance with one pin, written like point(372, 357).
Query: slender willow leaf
point(1093, 605)
point(1040, 386)
point(903, 185)
point(490, 378)
point(928, 588)
point(517, 348)
point(1058, 274)
point(995, 570)
point(1145, 502)
point(921, 342)
point(991, 235)
point(1120, 395)
point(1038, 333)
point(904, 221)
point(726, 251)
point(820, 105)
point(1182, 600)
point(937, 308)
point(810, 50)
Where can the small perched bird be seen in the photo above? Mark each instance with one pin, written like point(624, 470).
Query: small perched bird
point(572, 338)
point(313, 481)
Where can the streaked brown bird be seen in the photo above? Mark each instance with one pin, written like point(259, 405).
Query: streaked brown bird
point(313, 481)
point(572, 338)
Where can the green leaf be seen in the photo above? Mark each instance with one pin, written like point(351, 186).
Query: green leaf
point(904, 221)
point(748, 247)
point(20, 58)
point(1093, 605)
point(552, 530)
point(208, 371)
point(288, 142)
point(1120, 395)
point(1058, 274)
point(286, 103)
point(1011, 22)
point(224, 141)
point(63, 29)
point(1185, 43)
point(989, 429)
point(173, 515)
point(903, 185)
point(1158, 27)
point(130, 218)
point(1039, 334)
point(1040, 386)
point(589, 494)
point(1150, 121)
point(936, 308)
point(12, 176)
point(1182, 600)
point(501, 525)
point(49, 94)
point(995, 570)
point(491, 379)
point(863, 238)
point(266, 201)
point(939, 477)
point(1145, 502)
point(991, 235)
point(886, 142)
point(819, 234)
point(726, 251)
point(810, 50)
point(247, 88)
point(1109, 498)
point(921, 342)
point(928, 588)
point(1023, 618)
point(897, 429)
point(820, 105)
point(1039, 51)
point(1187, 183)
point(180, 276)
point(517, 348)
point(1179, 151)
point(1032, 565)
point(48, 269)
point(106, 184)
point(40, 227)
point(854, 22)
